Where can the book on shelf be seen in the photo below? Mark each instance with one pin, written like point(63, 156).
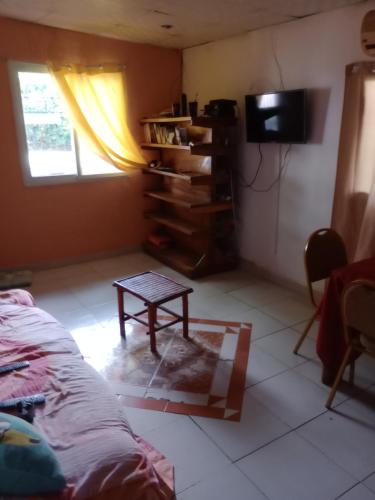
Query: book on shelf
point(178, 136)
point(159, 239)
point(147, 132)
point(170, 136)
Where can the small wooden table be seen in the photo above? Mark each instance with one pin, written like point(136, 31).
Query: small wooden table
point(154, 289)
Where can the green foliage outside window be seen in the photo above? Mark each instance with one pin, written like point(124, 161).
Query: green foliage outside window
point(50, 136)
point(47, 127)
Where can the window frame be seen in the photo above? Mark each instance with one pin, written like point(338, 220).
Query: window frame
point(14, 68)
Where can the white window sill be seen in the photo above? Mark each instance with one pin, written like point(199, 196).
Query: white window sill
point(71, 179)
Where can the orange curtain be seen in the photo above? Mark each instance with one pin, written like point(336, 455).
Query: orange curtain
point(354, 201)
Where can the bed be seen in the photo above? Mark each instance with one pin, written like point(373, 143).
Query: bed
point(82, 419)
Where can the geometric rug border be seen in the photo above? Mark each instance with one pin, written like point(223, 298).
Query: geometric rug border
point(236, 388)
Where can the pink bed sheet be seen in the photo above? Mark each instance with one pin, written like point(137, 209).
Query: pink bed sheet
point(82, 420)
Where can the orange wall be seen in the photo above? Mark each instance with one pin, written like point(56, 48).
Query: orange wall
point(50, 223)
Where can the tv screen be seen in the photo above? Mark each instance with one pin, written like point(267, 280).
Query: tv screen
point(276, 117)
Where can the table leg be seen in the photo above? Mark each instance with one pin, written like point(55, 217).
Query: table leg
point(156, 316)
point(121, 312)
point(185, 316)
point(151, 326)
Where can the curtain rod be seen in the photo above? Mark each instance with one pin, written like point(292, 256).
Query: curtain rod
point(99, 66)
point(94, 66)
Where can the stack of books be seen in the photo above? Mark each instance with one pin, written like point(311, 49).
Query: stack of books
point(162, 134)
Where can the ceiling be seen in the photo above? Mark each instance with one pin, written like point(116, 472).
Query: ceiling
point(191, 22)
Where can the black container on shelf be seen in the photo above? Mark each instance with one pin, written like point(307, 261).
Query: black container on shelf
point(183, 105)
point(176, 109)
point(221, 108)
point(193, 108)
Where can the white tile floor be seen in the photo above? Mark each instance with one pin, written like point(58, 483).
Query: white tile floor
point(287, 446)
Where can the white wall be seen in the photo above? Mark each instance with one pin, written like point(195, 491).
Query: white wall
point(312, 53)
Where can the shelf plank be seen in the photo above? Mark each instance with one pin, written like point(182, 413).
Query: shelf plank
point(152, 145)
point(199, 121)
point(167, 119)
point(202, 149)
point(193, 178)
point(203, 208)
point(175, 223)
point(177, 258)
point(186, 263)
point(175, 200)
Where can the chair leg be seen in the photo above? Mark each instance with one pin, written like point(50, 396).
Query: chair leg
point(339, 376)
point(121, 312)
point(305, 332)
point(352, 372)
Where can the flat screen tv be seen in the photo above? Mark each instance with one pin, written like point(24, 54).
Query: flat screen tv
point(276, 117)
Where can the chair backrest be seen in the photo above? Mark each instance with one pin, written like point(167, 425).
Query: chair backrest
point(358, 314)
point(324, 251)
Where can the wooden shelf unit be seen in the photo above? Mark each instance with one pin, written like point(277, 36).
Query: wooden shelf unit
point(191, 200)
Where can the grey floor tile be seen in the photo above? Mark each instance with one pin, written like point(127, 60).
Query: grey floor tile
point(228, 483)
point(347, 436)
point(257, 427)
point(293, 398)
point(292, 469)
point(280, 346)
point(262, 366)
point(192, 453)
point(359, 492)
point(370, 482)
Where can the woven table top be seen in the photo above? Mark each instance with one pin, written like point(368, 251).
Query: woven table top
point(152, 287)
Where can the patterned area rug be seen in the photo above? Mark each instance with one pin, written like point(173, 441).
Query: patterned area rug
point(203, 376)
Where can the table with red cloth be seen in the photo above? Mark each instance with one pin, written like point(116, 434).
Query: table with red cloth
point(331, 345)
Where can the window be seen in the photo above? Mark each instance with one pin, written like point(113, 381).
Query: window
point(50, 149)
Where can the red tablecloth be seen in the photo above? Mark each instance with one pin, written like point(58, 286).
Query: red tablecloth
point(331, 343)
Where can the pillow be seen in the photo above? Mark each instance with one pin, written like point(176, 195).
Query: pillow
point(28, 466)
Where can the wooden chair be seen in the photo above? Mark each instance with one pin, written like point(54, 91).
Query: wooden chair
point(358, 315)
point(324, 251)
